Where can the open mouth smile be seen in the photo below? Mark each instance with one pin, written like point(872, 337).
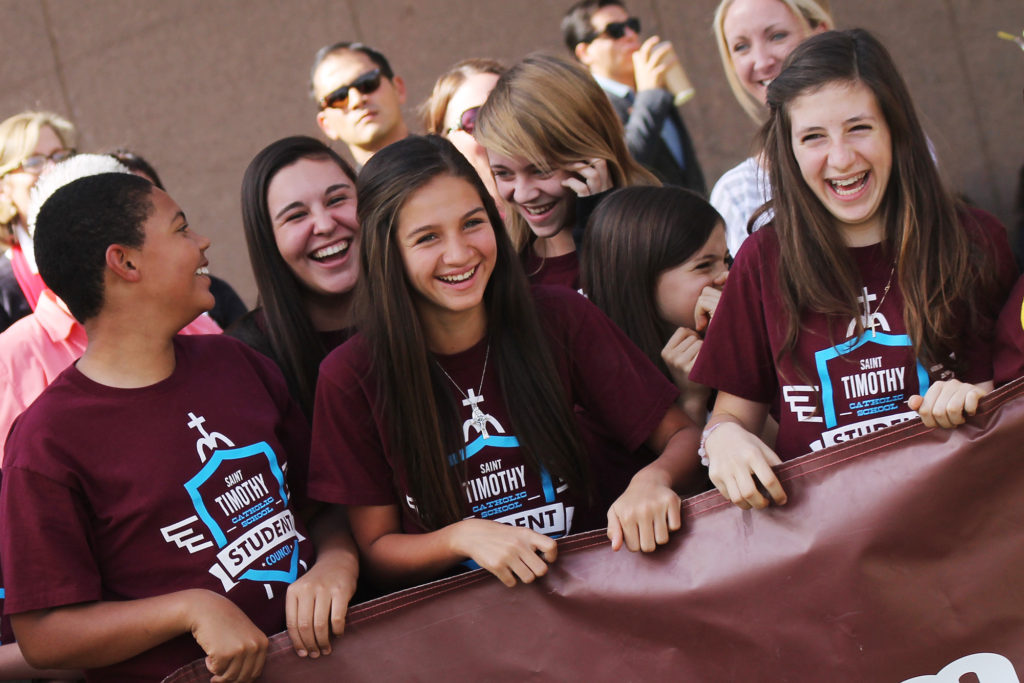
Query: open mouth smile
point(847, 187)
point(458, 277)
point(330, 250)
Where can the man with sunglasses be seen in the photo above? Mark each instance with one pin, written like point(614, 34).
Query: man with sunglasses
point(359, 98)
point(605, 39)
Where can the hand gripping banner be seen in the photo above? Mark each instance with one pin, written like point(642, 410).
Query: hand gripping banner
point(899, 557)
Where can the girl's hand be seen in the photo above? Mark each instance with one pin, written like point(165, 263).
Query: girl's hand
point(508, 552)
point(735, 458)
point(644, 514)
point(316, 605)
point(593, 177)
point(946, 403)
point(708, 300)
point(679, 354)
point(235, 648)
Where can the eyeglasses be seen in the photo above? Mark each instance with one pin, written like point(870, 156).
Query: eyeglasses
point(365, 84)
point(615, 30)
point(37, 162)
point(467, 121)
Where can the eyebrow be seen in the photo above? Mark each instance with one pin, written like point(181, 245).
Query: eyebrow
point(181, 215)
point(431, 226)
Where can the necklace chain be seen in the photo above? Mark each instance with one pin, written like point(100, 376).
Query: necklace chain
point(871, 316)
point(483, 374)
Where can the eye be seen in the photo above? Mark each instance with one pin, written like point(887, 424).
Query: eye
point(425, 238)
point(541, 173)
point(337, 199)
point(778, 36)
point(501, 174)
point(861, 127)
point(183, 227)
point(740, 47)
point(296, 216)
point(810, 138)
point(472, 223)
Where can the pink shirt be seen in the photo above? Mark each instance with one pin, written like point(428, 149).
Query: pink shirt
point(37, 348)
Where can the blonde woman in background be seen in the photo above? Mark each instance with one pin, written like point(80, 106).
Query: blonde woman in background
point(453, 106)
point(29, 143)
point(754, 38)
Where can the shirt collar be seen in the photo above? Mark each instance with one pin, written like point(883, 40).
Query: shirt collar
point(614, 87)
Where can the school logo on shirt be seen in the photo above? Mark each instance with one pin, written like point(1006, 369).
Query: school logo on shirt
point(241, 503)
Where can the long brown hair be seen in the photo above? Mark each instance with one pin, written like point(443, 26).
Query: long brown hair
point(938, 268)
point(423, 425)
point(633, 236)
point(293, 337)
point(552, 112)
point(433, 110)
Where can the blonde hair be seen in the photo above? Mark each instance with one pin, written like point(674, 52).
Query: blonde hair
point(552, 112)
point(19, 136)
point(811, 14)
point(433, 110)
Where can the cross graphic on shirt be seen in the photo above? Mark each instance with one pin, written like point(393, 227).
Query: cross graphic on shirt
point(479, 419)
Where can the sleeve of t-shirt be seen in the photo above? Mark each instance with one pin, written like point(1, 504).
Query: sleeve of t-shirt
point(736, 356)
point(347, 458)
point(45, 547)
point(611, 378)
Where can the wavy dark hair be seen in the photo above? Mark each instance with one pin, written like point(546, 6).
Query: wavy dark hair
point(947, 281)
point(423, 424)
point(293, 338)
point(633, 236)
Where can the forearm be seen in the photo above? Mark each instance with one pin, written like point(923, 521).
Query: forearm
point(332, 538)
point(13, 665)
point(399, 559)
point(99, 634)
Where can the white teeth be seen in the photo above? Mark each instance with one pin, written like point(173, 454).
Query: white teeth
point(848, 186)
point(338, 248)
point(537, 210)
point(458, 278)
point(202, 271)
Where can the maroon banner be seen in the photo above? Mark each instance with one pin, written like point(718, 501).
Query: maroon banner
point(899, 557)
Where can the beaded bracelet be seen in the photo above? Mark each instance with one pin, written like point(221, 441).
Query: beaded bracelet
point(702, 452)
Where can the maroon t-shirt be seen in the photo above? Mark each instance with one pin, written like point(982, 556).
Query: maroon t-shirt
point(835, 386)
point(601, 369)
point(1008, 361)
point(118, 494)
point(563, 271)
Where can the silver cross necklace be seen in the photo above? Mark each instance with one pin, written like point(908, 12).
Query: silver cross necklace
point(479, 419)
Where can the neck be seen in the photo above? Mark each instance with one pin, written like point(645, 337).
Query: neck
point(559, 244)
point(329, 313)
point(126, 355)
point(455, 332)
point(862, 235)
point(627, 79)
point(362, 154)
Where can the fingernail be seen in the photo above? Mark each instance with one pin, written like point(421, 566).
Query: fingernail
point(301, 653)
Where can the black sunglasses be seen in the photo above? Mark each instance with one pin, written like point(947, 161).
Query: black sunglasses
point(365, 84)
point(615, 30)
point(467, 121)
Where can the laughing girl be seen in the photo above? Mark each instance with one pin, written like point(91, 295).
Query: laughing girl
point(446, 425)
point(870, 299)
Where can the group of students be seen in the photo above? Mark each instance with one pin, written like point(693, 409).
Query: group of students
point(428, 390)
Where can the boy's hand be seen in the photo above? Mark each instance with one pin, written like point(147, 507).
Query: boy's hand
point(235, 649)
point(316, 606)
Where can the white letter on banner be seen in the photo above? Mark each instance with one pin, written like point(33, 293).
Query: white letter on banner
point(988, 667)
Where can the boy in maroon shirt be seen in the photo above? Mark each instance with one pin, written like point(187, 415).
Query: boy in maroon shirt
point(149, 495)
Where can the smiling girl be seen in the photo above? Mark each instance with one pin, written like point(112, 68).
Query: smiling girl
point(754, 38)
point(447, 425)
point(299, 215)
point(555, 147)
point(871, 288)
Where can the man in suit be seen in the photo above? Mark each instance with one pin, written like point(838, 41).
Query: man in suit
point(604, 38)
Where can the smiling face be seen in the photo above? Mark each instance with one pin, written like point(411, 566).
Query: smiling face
point(760, 34)
point(677, 289)
point(312, 208)
point(539, 196)
point(449, 251)
point(842, 144)
point(172, 259)
point(367, 121)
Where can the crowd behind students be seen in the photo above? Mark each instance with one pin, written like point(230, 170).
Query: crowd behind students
point(528, 323)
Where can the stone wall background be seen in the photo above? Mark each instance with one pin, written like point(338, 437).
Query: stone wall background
point(199, 86)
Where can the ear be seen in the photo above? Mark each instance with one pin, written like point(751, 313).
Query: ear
point(120, 262)
point(582, 54)
point(399, 88)
point(820, 28)
point(325, 125)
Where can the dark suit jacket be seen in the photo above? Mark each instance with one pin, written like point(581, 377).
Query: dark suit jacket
point(643, 121)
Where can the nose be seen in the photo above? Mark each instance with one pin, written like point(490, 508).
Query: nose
point(202, 240)
point(457, 250)
point(323, 222)
point(840, 155)
point(523, 190)
point(355, 98)
point(764, 58)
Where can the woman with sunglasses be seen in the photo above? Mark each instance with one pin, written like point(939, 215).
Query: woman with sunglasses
point(754, 38)
point(455, 103)
point(447, 424)
point(29, 143)
point(299, 216)
point(555, 147)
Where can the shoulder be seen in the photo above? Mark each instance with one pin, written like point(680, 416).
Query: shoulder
point(982, 224)
point(353, 358)
point(556, 303)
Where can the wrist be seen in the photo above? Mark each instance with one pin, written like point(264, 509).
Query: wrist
point(705, 436)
